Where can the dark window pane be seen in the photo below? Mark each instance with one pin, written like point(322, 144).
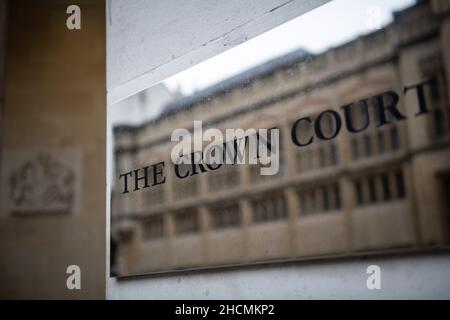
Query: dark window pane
point(333, 153)
point(225, 216)
point(280, 207)
point(381, 142)
point(439, 123)
point(337, 196)
point(386, 187)
point(321, 158)
point(303, 204)
point(372, 191)
point(395, 139)
point(269, 207)
point(359, 193)
point(400, 184)
point(326, 200)
point(435, 90)
point(309, 160)
point(186, 222)
point(368, 146)
point(313, 201)
point(153, 228)
point(355, 149)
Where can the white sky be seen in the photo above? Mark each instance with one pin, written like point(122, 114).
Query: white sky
point(327, 26)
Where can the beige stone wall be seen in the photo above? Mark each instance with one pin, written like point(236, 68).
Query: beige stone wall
point(55, 101)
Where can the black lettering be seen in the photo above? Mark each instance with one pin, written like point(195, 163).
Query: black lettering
point(348, 117)
point(318, 126)
point(195, 161)
point(125, 181)
point(158, 171)
point(294, 131)
point(238, 155)
point(211, 167)
point(420, 92)
point(177, 172)
point(391, 107)
point(137, 178)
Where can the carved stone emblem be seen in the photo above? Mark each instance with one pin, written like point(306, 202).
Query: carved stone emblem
point(42, 184)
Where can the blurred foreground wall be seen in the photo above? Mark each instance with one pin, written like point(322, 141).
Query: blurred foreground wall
point(52, 211)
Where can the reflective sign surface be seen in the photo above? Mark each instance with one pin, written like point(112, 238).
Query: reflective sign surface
point(301, 143)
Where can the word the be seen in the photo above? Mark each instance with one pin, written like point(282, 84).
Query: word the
point(157, 177)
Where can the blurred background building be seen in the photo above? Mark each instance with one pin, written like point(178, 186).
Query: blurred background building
point(380, 190)
point(53, 120)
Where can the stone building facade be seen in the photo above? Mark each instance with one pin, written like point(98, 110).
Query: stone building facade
point(382, 189)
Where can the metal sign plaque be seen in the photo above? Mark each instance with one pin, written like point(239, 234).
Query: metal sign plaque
point(331, 144)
